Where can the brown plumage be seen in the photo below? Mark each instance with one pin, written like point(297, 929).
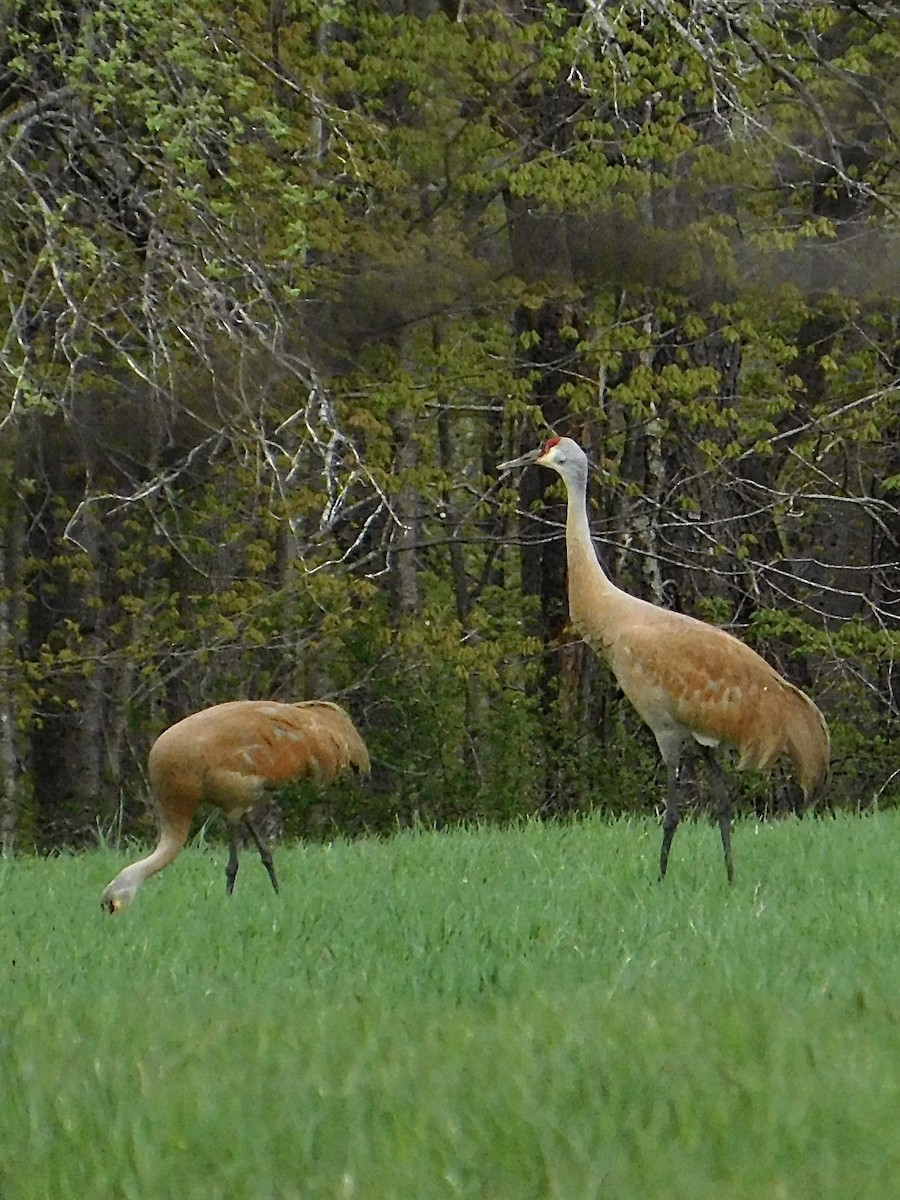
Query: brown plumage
point(687, 679)
point(229, 755)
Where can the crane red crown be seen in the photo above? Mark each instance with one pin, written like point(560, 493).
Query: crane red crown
point(549, 444)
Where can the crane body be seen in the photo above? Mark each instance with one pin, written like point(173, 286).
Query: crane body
point(687, 679)
point(229, 755)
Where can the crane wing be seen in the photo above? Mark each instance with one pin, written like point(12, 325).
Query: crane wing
point(281, 742)
point(229, 753)
point(674, 668)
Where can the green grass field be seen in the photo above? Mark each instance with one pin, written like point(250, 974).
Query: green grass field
point(500, 1015)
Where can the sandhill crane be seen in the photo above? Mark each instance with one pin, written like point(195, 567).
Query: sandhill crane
point(229, 755)
point(686, 679)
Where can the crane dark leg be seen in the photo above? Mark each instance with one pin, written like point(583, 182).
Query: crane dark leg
point(672, 817)
point(723, 807)
point(264, 852)
point(231, 867)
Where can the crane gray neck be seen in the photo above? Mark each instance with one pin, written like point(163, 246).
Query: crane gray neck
point(575, 474)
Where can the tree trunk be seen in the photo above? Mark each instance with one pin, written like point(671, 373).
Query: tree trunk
point(405, 578)
point(12, 535)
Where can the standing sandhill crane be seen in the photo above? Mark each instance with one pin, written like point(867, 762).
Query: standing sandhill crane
point(229, 755)
point(684, 677)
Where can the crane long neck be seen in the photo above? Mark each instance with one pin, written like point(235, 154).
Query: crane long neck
point(168, 848)
point(584, 566)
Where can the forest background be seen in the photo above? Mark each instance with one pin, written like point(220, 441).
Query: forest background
point(283, 280)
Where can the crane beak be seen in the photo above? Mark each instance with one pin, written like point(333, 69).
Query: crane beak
point(522, 461)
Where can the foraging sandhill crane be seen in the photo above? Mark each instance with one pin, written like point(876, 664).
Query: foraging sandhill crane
point(686, 679)
point(229, 755)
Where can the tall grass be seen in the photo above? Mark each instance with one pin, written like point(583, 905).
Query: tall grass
point(486, 1014)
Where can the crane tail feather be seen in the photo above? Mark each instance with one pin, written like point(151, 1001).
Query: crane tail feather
point(332, 743)
point(809, 746)
point(788, 725)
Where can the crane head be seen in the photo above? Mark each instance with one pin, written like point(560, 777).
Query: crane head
point(556, 452)
point(112, 904)
point(532, 456)
point(118, 894)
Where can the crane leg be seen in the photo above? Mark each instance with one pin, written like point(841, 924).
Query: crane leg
point(723, 807)
point(231, 867)
point(672, 817)
point(264, 852)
